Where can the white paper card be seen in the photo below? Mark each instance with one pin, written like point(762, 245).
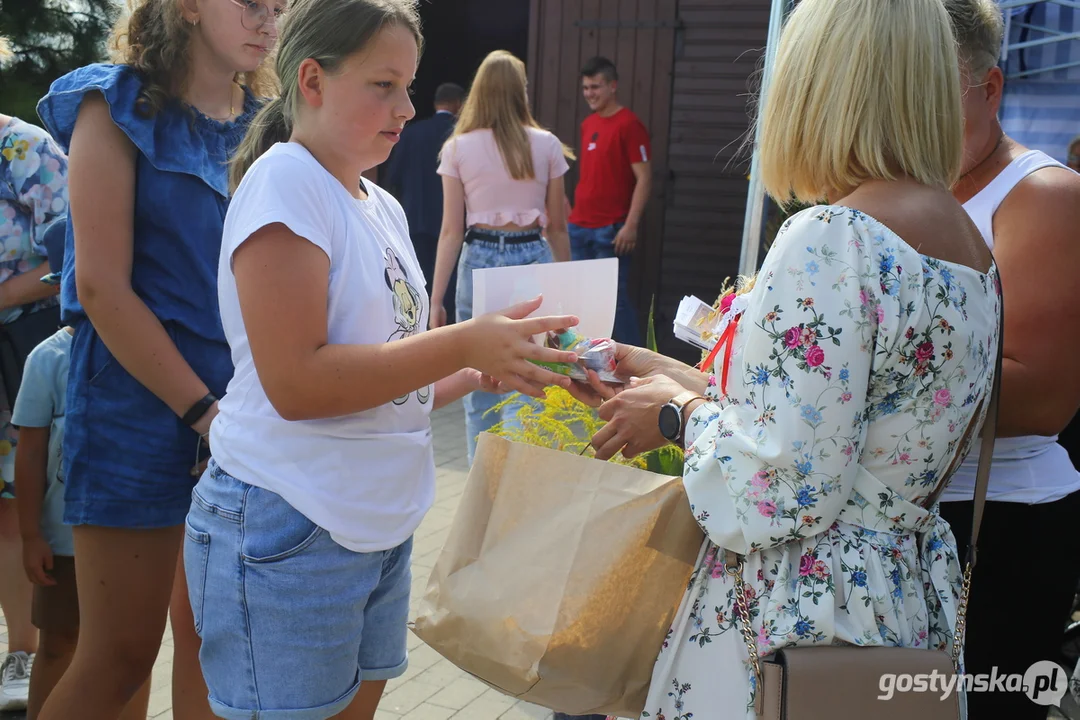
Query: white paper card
point(585, 288)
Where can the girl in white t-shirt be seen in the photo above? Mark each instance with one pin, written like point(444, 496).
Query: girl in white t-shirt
point(299, 535)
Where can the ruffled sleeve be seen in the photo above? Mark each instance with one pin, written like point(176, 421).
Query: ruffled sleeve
point(175, 139)
point(774, 461)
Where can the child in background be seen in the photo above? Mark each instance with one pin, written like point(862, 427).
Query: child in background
point(48, 548)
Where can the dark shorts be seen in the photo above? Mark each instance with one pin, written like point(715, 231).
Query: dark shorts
point(128, 458)
point(56, 607)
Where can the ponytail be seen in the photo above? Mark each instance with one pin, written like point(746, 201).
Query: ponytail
point(268, 127)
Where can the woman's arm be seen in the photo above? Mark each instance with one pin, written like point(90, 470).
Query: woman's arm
point(556, 233)
point(27, 288)
point(778, 463)
point(282, 281)
point(451, 237)
point(101, 187)
point(1037, 253)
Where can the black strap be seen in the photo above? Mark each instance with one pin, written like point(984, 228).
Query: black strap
point(199, 409)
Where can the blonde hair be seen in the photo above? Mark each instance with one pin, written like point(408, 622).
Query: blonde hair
point(154, 40)
point(862, 90)
point(329, 32)
point(979, 27)
point(498, 102)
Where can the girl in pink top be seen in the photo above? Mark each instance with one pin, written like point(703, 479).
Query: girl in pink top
point(503, 180)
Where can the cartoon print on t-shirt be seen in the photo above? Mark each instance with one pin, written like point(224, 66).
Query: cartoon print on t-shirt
point(408, 311)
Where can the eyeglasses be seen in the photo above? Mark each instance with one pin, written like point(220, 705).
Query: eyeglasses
point(256, 14)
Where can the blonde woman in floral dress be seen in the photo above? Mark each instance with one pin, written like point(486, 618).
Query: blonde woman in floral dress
point(861, 355)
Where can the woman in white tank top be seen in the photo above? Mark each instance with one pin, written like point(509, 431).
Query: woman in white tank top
point(1027, 208)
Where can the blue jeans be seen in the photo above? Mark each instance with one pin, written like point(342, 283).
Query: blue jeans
point(478, 254)
point(291, 622)
point(597, 243)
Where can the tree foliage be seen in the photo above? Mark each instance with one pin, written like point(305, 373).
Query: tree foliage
point(49, 38)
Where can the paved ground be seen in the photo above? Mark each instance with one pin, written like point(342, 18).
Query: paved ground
point(432, 688)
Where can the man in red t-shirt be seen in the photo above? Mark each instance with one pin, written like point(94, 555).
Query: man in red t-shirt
point(613, 185)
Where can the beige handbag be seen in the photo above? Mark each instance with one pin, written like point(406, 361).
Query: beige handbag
point(831, 682)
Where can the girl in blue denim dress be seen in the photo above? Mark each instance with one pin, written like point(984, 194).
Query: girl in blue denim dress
point(298, 543)
point(148, 141)
point(503, 180)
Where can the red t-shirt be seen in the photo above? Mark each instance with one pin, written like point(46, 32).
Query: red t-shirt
point(609, 146)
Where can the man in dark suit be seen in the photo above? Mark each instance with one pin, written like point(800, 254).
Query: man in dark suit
point(411, 176)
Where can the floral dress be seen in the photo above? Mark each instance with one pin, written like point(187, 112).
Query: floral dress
point(33, 193)
point(856, 368)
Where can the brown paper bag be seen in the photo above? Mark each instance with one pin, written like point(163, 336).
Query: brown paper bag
point(561, 577)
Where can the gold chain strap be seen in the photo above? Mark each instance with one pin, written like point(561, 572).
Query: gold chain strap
point(961, 618)
point(734, 565)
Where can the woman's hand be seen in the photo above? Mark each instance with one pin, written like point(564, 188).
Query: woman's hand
point(631, 362)
point(633, 417)
point(595, 392)
point(500, 346)
point(637, 362)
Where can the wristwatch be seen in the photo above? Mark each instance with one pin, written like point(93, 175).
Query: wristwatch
point(671, 420)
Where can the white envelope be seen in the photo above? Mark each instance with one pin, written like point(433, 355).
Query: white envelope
point(585, 288)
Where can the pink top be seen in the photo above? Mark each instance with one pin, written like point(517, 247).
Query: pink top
point(492, 197)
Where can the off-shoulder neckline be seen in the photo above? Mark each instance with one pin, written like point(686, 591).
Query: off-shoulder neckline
point(992, 270)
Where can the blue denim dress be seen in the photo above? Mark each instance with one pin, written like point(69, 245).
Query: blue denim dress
point(127, 456)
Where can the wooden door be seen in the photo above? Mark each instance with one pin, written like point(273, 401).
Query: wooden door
point(639, 37)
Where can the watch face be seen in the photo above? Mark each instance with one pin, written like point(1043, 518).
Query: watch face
point(670, 422)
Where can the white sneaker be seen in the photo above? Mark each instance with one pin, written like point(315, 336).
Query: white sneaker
point(15, 681)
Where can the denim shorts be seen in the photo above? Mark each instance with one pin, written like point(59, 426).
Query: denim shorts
point(485, 253)
point(291, 622)
point(127, 456)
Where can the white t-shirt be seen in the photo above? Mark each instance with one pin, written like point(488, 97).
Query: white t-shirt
point(367, 478)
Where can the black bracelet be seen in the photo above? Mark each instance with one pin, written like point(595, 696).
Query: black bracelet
point(199, 409)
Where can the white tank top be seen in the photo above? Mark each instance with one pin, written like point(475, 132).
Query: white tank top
point(1032, 469)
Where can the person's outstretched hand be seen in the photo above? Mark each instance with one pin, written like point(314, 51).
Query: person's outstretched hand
point(500, 346)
